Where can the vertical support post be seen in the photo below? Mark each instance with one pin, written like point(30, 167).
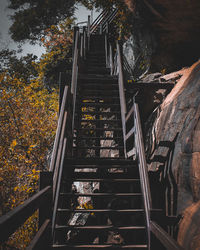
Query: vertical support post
point(107, 28)
point(111, 59)
point(122, 93)
point(74, 40)
point(75, 61)
point(62, 78)
point(101, 29)
point(81, 47)
point(84, 42)
point(106, 50)
point(88, 31)
point(45, 212)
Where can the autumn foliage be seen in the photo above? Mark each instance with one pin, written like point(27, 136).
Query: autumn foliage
point(28, 120)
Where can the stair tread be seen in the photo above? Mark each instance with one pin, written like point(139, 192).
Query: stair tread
point(104, 180)
point(109, 161)
point(101, 138)
point(124, 246)
point(101, 227)
point(95, 175)
point(98, 97)
point(101, 112)
point(99, 129)
point(97, 147)
point(98, 120)
point(102, 194)
point(131, 210)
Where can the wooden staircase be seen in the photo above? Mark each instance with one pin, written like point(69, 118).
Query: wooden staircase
point(98, 144)
point(117, 209)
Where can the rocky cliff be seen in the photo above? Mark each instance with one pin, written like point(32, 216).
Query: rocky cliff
point(173, 150)
point(165, 37)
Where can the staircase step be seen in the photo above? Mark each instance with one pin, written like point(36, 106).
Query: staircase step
point(102, 180)
point(107, 175)
point(100, 104)
point(100, 138)
point(101, 112)
point(98, 85)
point(99, 92)
point(102, 195)
point(112, 162)
point(91, 97)
point(100, 121)
point(62, 227)
point(100, 129)
point(128, 211)
point(96, 70)
point(98, 147)
point(104, 246)
point(83, 79)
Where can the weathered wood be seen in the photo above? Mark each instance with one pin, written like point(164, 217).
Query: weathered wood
point(42, 239)
point(130, 133)
point(142, 168)
point(45, 212)
point(59, 156)
point(168, 242)
point(59, 178)
point(122, 93)
point(59, 129)
point(11, 221)
point(100, 246)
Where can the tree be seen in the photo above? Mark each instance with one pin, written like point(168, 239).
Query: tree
point(28, 119)
point(57, 40)
point(22, 68)
point(31, 18)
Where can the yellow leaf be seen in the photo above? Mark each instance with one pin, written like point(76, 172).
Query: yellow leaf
point(14, 143)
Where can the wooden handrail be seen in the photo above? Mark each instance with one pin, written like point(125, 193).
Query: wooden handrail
point(58, 185)
point(168, 242)
point(144, 179)
point(11, 221)
point(59, 156)
point(99, 17)
point(111, 59)
point(75, 75)
point(42, 237)
point(141, 155)
point(59, 128)
point(122, 93)
point(75, 67)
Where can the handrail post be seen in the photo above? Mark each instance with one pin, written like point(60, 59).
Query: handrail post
point(61, 81)
point(81, 45)
point(139, 144)
point(107, 28)
point(122, 94)
point(101, 29)
point(45, 212)
point(84, 42)
point(75, 61)
point(111, 59)
point(106, 50)
point(88, 31)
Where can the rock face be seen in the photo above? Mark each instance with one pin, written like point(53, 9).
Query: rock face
point(173, 149)
point(138, 49)
point(174, 24)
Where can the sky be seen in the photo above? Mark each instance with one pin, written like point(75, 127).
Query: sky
point(5, 39)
